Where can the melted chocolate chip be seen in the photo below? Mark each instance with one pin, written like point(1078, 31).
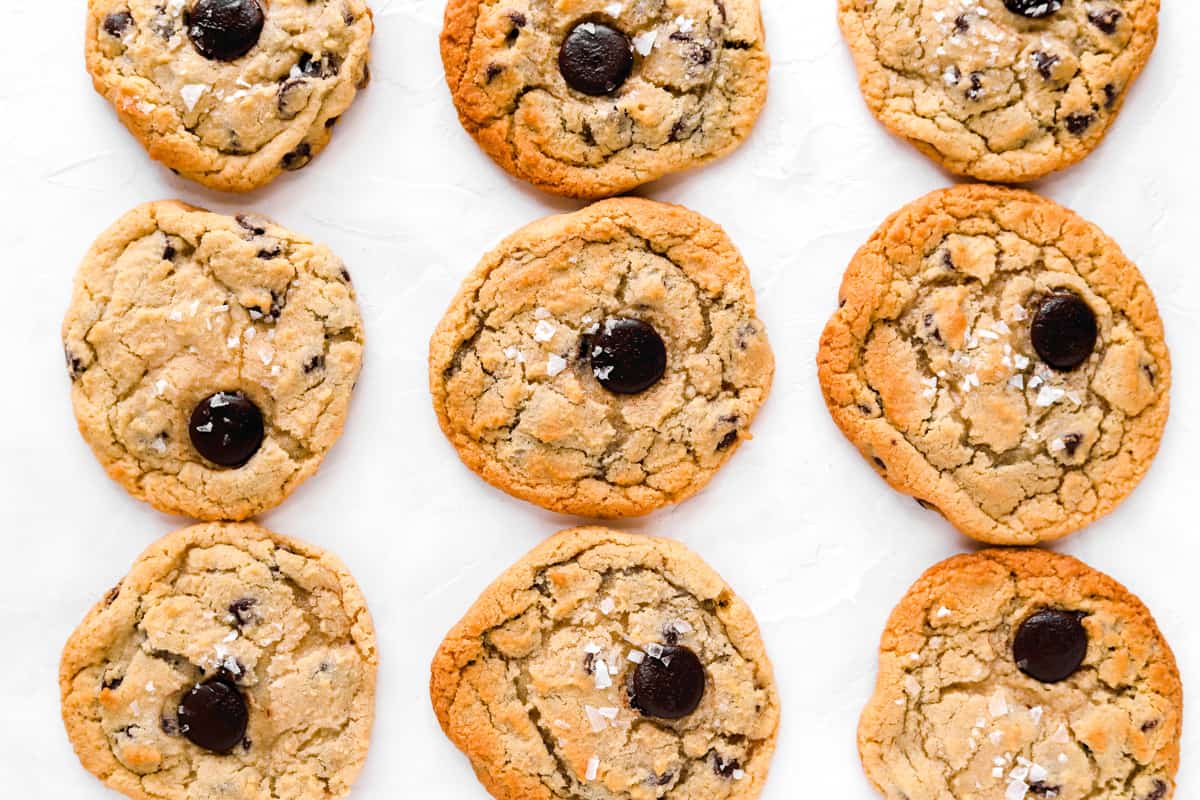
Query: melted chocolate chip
point(1077, 124)
point(298, 158)
point(1105, 20)
point(227, 429)
point(1064, 331)
point(213, 715)
point(256, 225)
point(727, 441)
point(725, 768)
point(113, 683)
point(1159, 791)
point(75, 365)
point(669, 686)
point(225, 30)
point(628, 356)
point(1045, 63)
point(1033, 9)
point(1050, 645)
point(975, 90)
point(243, 611)
point(116, 24)
point(595, 58)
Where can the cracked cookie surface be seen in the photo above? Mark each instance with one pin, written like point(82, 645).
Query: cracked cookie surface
point(230, 125)
point(518, 388)
point(995, 94)
point(173, 304)
point(930, 369)
point(955, 716)
point(281, 620)
point(535, 683)
point(697, 85)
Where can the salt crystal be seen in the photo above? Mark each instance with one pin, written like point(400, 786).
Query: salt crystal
point(614, 9)
point(636, 656)
point(541, 313)
point(593, 768)
point(543, 331)
point(607, 606)
point(603, 680)
point(597, 722)
point(1017, 790)
point(1049, 395)
point(998, 705)
point(644, 42)
point(944, 612)
point(555, 365)
point(1020, 361)
point(191, 94)
point(1017, 382)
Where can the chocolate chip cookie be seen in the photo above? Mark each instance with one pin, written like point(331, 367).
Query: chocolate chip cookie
point(609, 666)
point(1000, 90)
point(1022, 674)
point(603, 363)
point(229, 93)
point(591, 98)
point(212, 358)
point(1002, 361)
point(231, 662)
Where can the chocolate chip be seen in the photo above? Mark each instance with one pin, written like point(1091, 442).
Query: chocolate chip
point(274, 252)
point(1033, 9)
point(1071, 443)
point(1064, 331)
point(1110, 95)
point(315, 363)
point(1045, 63)
point(75, 365)
point(493, 72)
point(225, 30)
point(326, 66)
point(589, 663)
point(627, 355)
point(162, 24)
point(112, 683)
point(975, 90)
point(364, 80)
point(213, 715)
point(962, 24)
point(668, 686)
point(725, 768)
point(1105, 20)
point(243, 611)
point(227, 428)
point(290, 97)
point(1042, 789)
point(518, 21)
point(595, 58)
point(169, 726)
point(1078, 123)
point(1051, 645)
point(116, 24)
point(660, 780)
point(298, 158)
point(256, 225)
point(727, 441)
point(1149, 726)
point(1158, 792)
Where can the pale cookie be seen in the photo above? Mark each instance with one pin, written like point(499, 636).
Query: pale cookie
point(1000, 90)
point(231, 662)
point(229, 93)
point(1023, 675)
point(998, 358)
point(212, 358)
point(603, 363)
point(609, 666)
point(591, 98)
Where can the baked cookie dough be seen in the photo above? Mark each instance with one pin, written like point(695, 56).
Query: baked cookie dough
point(212, 358)
point(612, 667)
point(999, 90)
point(603, 363)
point(591, 98)
point(1000, 359)
point(231, 662)
point(229, 93)
point(1022, 674)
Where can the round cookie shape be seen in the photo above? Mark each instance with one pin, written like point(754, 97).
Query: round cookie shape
point(932, 364)
point(229, 93)
point(548, 372)
point(594, 98)
point(534, 684)
point(954, 716)
point(212, 358)
point(229, 662)
point(999, 90)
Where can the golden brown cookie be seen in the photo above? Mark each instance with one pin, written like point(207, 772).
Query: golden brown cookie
point(609, 666)
point(1022, 674)
point(231, 662)
point(229, 93)
point(591, 98)
point(1002, 361)
point(603, 363)
point(1000, 90)
point(212, 358)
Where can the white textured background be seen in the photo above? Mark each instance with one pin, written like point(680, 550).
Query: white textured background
point(797, 523)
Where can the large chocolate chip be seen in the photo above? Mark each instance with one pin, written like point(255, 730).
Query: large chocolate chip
point(1064, 331)
point(668, 686)
point(213, 715)
point(116, 24)
point(1050, 645)
point(225, 30)
point(628, 356)
point(227, 428)
point(1034, 9)
point(595, 59)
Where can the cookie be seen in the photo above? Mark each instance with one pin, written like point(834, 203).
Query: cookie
point(212, 358)
point(1022, 674)
point(999, 358)
point(608, 665)
point(603, 363)
point(591, 98)
point(229, 93)
point(231, 662)
point(999, 90)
